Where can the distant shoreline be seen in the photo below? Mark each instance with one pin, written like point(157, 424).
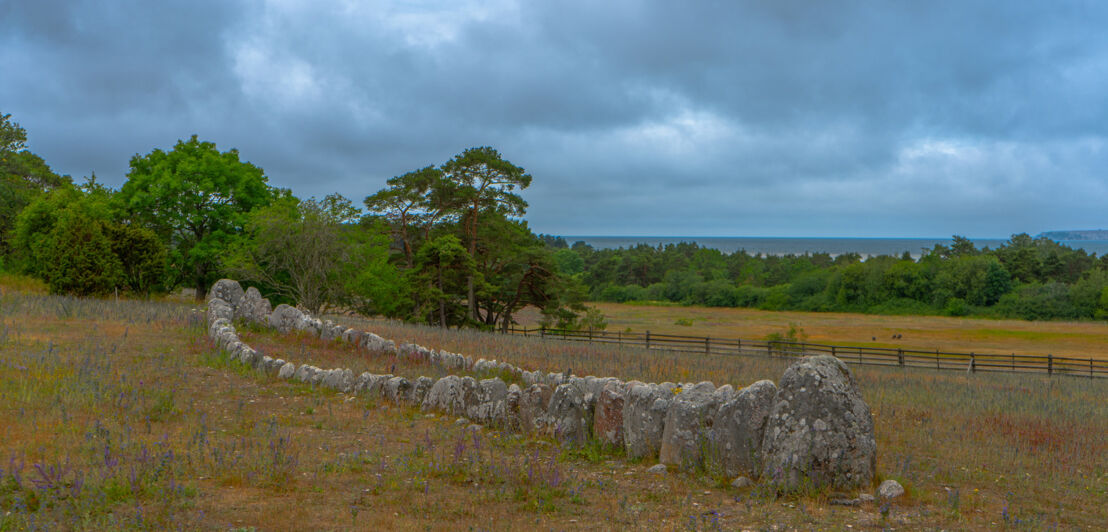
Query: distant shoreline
point(865, 246)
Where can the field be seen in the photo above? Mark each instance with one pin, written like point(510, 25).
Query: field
point(122, 415)
point(1070, 339)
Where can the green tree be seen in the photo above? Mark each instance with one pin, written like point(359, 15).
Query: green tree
point(78, 256)
point(443, 271)
point(24, 177)
point(306, 250)
point(485, 182)
point(196, 199)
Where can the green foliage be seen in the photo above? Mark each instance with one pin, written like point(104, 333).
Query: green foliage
point(956, 280)
point(77, 256)
point(196, 199)
point(24, 177)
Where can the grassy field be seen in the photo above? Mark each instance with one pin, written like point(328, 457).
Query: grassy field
point(121, 415)
point(1071, 339)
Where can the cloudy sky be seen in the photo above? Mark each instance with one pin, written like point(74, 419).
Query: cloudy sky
point(714, 118)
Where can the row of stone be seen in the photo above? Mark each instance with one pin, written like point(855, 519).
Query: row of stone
point(813, 430)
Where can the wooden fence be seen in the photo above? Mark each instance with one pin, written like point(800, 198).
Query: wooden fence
point(871, 356)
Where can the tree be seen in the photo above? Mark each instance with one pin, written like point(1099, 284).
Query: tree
point(485, 182)
point(443, 269)
point(307, 250)
point(24, 177)
point(196, 199)
point(78, 256)
point(415, 200)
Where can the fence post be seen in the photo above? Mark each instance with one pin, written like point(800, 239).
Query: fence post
point(833, 351)
point(563, 333)
point(1090, 368)
point(1013, 362)
point(937, 366)
point(900, 356)
point(542, 331)
point(739, 345)
point(590, 335)
point(619, 337)
point(707, 345)
point(1049, 364)
point(972, 363)
point(648, 339)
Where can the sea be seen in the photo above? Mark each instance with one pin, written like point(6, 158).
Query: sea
point(866, 247)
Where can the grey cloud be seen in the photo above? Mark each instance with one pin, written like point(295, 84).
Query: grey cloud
point(656, 117)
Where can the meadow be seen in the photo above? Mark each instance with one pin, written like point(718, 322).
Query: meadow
point(122, 415)
point(1080, 339)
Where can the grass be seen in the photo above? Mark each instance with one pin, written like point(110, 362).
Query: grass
point(121, 415)
point(1081, 339)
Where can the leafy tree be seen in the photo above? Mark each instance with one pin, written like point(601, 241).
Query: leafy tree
point(78, 256)
point(306, 250)
point(484, 182)
point(443, 269)
point(24, 177)
point(412, 202)
point(196, 199)
point(141, 256)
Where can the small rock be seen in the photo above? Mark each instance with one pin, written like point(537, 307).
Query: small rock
point(890, 489)
point(658, 469)
point(865, 497)
point(741, 482)
point(461, 421)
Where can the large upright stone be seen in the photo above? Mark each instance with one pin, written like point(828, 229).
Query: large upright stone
point(687, 426)
point(569, 415)
point(820, 431)
point(398, 390)
point(644, 416)
point(451, 394)
point(608, 416)
point(738, 429)
point(228, 290)
point(490, 405)
point(533, 402)
point(285, 318)
point(219, 309)
point(253, 308)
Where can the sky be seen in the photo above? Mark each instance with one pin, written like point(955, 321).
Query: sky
point(710, 118)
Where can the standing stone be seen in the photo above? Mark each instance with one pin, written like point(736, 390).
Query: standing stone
point(253, 308)
point(352, 337)
point(608, 416)
point(420, 389)
point(304, 373)
point(533, 401)
point(219, 309)
point(489, 407)
point(511, 407)
point(285, 318)
point(569, 415)
point(286, 371)
point(820, 431)
point(739, 428)
point(227, 290)
point(687, 425)
point(451, 394)
point(644, 416)
point(398, 390)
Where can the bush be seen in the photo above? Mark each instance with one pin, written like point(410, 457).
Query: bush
point(77, 257)
point(956, 306)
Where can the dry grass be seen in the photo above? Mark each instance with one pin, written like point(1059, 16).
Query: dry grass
point(122, 416)
point(1081, 339)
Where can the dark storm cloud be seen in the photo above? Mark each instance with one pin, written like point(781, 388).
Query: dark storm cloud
point(773, 118)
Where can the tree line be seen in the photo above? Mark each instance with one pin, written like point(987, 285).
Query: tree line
point(1028, 278)
point(444, 245)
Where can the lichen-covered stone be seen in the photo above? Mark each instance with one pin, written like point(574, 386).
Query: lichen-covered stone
point(228, 290)
point(490, 405)
point(569, 415)
point(820, 431)
point(644, 416)
point(608, 415)
point(285, 318)
point(533, 402)
point(739, 428)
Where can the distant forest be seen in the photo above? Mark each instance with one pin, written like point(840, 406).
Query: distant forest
point(1028, 278)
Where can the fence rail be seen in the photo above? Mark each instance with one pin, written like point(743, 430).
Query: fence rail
point(871, 356)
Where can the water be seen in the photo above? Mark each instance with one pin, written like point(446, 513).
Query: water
point(867, 247)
